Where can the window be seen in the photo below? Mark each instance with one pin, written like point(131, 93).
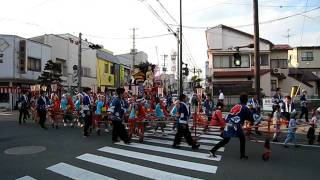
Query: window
point(106, 68)
point(86, 72)
point(273, 85)
point(63, 66)
point(279, 63)
point(221, 61)
point(307, 56)
point(264, 59)
point(34, 64)
point(112, 69)
point(4, 97)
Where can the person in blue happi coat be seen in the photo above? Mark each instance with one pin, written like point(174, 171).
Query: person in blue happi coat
point(234, 122)
point(86, 111)
point(117, 109)
point(183, 128)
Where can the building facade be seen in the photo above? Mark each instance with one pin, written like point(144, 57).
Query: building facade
point(21, 63)
point(223, 74)
point(140, 57)
point(65, 49)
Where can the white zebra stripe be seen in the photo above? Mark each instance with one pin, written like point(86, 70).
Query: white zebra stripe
point(132, 168)
point(76, 173)
point(167, 142)
point(162, 160)
point(172, 151)
point(208, 141)
point(26, 178)
point(210, 136)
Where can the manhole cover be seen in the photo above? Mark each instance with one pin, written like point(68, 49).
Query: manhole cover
point(23, 150)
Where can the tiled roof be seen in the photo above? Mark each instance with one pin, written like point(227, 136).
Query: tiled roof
point(281, 47)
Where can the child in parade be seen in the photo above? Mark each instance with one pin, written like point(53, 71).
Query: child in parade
point(277, 123)
point(160, 116)
point(55, 110)
point(255, 109)
point(98, 113)
point(311, 134)
point(70, 109)
point(217, 117)
point(63, 107)
point(173, 114)
point(291, 130)
point(78, 106)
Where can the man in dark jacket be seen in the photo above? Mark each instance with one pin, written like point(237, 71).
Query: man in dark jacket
point(23, 107)
point(41, 109)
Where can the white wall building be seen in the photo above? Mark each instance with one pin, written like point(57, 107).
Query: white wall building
point(65, 48)
point(21, 63)
point(140, 57)
point(222, 73)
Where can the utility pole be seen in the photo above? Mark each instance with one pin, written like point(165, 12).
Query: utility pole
point(79, 62)
point(164, 70)
point(180, 57)
point(133, 51)
point(256, 49)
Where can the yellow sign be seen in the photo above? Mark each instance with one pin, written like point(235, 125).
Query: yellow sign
point(121, 74)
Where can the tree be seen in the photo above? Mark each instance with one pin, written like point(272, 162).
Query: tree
point(51, 73)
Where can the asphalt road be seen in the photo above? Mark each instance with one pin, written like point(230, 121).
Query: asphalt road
point(69, 154)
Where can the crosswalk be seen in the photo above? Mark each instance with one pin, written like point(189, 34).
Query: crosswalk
point(154, 159)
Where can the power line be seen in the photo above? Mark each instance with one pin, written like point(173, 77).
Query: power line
point(303, 23)
point(261, 23)
point(165, 9)
point(144, 37)
point(155, 13)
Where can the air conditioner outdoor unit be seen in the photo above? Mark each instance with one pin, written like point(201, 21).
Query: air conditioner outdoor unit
point(276, 70)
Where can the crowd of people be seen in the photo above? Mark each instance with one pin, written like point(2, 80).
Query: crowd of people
point(91, 111)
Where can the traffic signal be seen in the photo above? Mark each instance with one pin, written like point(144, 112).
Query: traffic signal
point(237, 59)
point(185, 70)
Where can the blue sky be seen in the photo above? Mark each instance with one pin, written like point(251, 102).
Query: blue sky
point(108, 22)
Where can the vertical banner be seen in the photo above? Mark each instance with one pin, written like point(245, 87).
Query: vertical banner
point(160, 92)
point(121, 75)
point(135, 90)
point(103, 88)
point(38, 87)
point(126, 89)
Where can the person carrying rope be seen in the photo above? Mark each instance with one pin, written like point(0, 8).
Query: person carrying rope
point(183, 128)
point(235, 120)
point(117, 111)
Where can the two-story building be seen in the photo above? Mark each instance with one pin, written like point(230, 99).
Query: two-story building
point(304, 68)
point(21, 63)
point(106, 70)
point(223, 74)
point(65, 49)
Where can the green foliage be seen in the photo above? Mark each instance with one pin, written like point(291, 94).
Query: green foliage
point(51, 73)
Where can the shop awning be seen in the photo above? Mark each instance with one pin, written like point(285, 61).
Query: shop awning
point(13, 90)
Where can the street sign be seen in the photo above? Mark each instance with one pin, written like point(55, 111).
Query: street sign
point(267, 104)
